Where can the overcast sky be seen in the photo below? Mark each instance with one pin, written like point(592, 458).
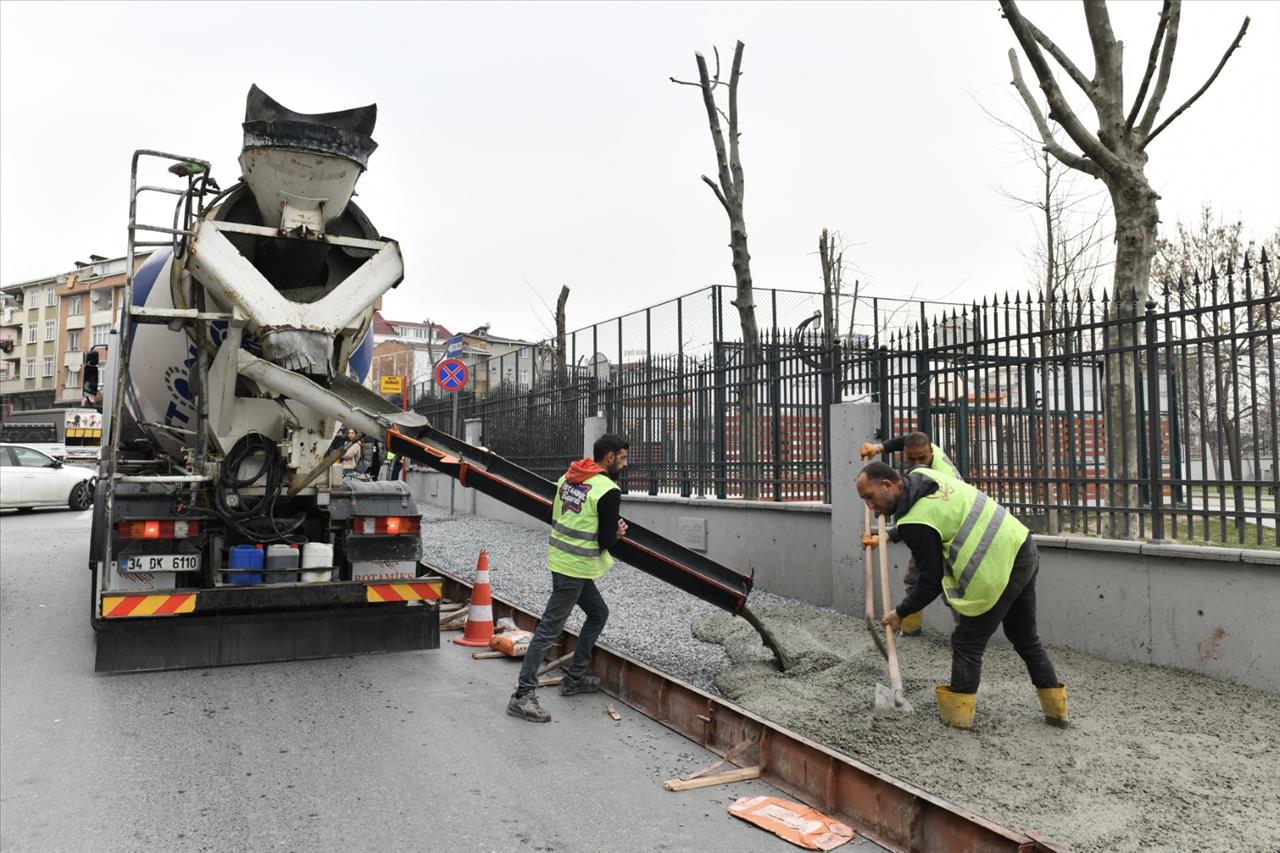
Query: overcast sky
point(526, 146)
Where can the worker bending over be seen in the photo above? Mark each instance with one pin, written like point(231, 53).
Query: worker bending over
point(983, 561)
point(585, 524)
point(919, 452)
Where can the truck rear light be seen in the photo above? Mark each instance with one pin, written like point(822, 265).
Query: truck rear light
point(157, 529)
point(392, 525)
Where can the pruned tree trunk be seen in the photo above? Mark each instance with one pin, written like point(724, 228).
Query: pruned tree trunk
point(832, 268)
point(562, 365)
point(729, 191)
point(1116, 154)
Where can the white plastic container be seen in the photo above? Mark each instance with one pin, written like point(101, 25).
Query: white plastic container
point(317, 562)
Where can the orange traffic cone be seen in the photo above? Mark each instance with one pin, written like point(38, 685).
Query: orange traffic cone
point(479, 628)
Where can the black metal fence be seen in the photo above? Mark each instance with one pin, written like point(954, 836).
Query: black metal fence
point(1079, 417)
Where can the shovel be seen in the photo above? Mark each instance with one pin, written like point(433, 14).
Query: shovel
point(889, 699)
point(871, 588)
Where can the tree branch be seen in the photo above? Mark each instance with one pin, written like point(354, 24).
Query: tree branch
point(716, 189)
point(1108, 72)
point(1151, 65)
point(1214, 76)
point(1057, 53)
point(1166, 66)
point(1068, 158)
point(713, 119)
point(1059, 110)
point(735, 165)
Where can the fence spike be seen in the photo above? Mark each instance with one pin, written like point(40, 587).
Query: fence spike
point(1263, 259)
point(1247, 264)
point(1230, 266)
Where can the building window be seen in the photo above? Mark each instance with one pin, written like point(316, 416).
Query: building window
point(31, 333)
point(31, 368)
point(33, 298)
point(73, 340)
point(100, 334)
point(50, 329)
point(74, 305)
point(50, 298)
point(48, 365)
point(73, 376)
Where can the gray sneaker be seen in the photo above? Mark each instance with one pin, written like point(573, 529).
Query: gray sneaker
point(571, 686)
point(527, 707)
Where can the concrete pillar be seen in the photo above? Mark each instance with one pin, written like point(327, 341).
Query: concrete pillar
point(471, 430)
point(592, 428)
point(852, 424)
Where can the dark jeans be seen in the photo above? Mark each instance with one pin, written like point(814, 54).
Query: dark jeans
point(1016, 611)
point(565, 593)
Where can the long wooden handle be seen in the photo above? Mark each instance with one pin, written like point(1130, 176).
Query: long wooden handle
point(866, 554)
point(895, 676)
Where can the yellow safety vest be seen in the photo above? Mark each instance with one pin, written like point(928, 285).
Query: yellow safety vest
point(942, 462)
point(980, 540)
point(574, 546)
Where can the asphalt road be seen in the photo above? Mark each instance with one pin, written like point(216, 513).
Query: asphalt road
point(408, 751)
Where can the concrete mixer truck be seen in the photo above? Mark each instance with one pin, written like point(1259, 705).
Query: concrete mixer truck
point(223, 532)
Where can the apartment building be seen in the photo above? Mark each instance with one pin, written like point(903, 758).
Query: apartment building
point(46, 327)
point(29, 333)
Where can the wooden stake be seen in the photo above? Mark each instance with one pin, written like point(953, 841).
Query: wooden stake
point(487, 655)
point(612, 711)
point(560, 661)
point(740, 775)
point(550, 682)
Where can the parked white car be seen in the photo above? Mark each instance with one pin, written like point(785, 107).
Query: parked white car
point(30, 478)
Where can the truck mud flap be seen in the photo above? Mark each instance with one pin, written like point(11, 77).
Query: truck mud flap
point(223, 639)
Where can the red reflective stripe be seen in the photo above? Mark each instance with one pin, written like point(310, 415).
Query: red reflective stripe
point(387, 592)
point(127, 605)
point(171, 604)
point(425, 590)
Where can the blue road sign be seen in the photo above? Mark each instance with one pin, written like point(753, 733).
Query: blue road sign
point(451, 375)
point(453, 346)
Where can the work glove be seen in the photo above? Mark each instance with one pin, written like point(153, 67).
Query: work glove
point(870, 540)
point(870, 449)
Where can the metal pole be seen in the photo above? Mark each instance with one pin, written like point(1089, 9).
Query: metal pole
point(1153, 426)
point(454, 433)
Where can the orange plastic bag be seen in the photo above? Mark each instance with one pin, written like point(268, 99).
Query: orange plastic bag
point(511, 643)
point(794, 822)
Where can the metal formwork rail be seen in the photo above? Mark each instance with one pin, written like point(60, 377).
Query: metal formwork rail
point(888, 811)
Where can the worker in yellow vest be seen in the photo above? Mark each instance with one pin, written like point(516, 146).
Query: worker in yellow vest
point(919, 451)
point(585, 523)
point(983, 561)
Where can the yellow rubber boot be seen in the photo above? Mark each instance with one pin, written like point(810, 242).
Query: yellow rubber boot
point(956, 709)
point(1054, 702)
point(912, 624)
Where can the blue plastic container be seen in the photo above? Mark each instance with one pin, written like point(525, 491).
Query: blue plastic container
point(245, 557)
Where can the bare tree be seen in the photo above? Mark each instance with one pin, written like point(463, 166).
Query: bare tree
point(832, 257)
point(1116, 154)
point(730, 191)
point(562, 368)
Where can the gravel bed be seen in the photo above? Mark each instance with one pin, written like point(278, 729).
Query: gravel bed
point(648, 619)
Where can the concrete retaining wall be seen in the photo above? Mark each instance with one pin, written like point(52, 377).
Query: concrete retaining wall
point(1207, 610)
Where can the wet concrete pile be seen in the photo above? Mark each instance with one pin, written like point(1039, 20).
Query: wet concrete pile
point(1154, 758)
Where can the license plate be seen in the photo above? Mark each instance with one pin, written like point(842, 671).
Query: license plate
point(153, 563)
